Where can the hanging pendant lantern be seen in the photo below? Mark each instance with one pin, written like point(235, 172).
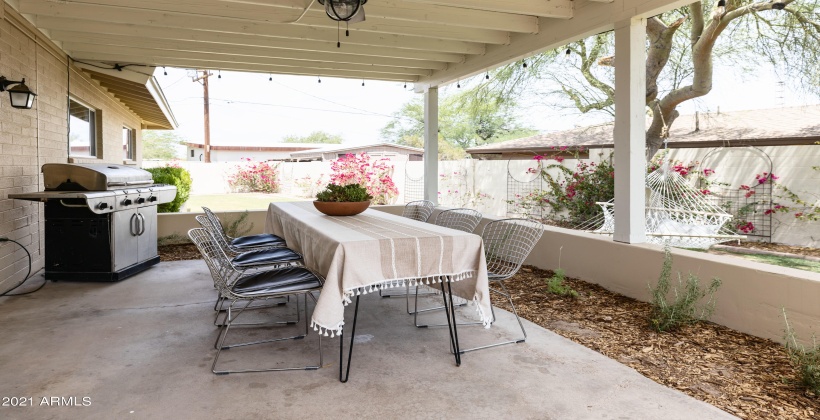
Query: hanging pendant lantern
point(344, 10)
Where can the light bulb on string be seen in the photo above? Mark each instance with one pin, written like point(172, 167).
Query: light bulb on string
point(721, 7)
point(320, 78)
point(219, 76)
point(362, 82)
point(487, 76)
point(458, 85)
point(270, 77)
point(524, 63)
point(164, 71)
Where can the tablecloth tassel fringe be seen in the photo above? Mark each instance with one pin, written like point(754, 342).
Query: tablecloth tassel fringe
point(327, 332)
point(388, 284)
point(486, 320)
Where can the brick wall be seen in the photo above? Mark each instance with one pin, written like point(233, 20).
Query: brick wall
point(30, 138)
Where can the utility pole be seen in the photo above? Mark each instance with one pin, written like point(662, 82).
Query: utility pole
point(203, 79)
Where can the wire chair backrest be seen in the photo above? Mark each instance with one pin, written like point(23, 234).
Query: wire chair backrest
point(217, 230)
point(418, 210)
point(215, 223)
point(221, 269)
point(461, 219)
point(507, 243)
point(204, 222)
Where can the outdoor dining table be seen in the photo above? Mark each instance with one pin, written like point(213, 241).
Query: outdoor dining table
point(376, 250)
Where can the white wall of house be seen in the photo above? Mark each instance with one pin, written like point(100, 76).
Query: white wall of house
point(235, 155)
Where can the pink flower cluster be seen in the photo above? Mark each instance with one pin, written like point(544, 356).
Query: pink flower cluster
point(255, 177)
point(363, 170)
point(745, 227)
point(765, 176)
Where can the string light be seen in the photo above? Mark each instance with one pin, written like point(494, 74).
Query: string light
point(219, 76)
point(270, 77)
point(721, 7)
point(487, 76)
point(524, 63)
point(320, 79)
point(458, 85)
point(362, 82)
point(568, 53)
point(164, 71)
point(405, 85)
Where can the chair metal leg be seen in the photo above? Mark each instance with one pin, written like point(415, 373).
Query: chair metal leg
point(220, 345)
point(437, 308)
point(343, 379)
point(506, 294)
point(406, 295)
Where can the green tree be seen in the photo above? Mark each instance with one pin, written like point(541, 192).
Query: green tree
point(465, 120)
point(160, 144)
point(315, 137)
point(683, 45)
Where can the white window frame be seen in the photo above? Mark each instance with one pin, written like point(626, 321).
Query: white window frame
point(95, 151)
point(131, 143)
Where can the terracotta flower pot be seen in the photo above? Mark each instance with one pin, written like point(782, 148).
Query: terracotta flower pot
point(345, 208)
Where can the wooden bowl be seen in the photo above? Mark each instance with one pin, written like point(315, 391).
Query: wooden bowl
point(347, 208)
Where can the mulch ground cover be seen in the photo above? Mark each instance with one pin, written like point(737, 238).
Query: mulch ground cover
point(747, 376)
point(789, 249)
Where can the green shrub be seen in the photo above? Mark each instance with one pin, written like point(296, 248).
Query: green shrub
point(555, 285)
point(807, 361)
point(339, 193)
point(178, 177)
point(684, 309)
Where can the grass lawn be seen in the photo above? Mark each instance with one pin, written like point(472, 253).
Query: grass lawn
point(797, 263)
point(235, 202)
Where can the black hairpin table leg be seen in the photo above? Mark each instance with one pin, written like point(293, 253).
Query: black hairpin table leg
point(450, 309)
point(346, 376)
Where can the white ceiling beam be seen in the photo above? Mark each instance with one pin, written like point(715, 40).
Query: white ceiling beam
point(589, 19)
point(243, 38)
point(561, 9)
point(159, 58)
point(253, 68)
point(424, 32)
point(276, 54)
point(282, 11)
point(298, 45)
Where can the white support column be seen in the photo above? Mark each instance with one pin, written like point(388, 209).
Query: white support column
point(630, 130)
point(431, 144)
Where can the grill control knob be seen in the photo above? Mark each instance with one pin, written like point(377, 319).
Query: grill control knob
point(140, 200)
point(102, 206)
point(126, 202)
point(152, 198)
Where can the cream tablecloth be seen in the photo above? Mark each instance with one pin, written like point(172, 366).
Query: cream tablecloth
point(376, 250)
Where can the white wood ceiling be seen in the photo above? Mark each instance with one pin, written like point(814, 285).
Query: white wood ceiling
point(427, 42)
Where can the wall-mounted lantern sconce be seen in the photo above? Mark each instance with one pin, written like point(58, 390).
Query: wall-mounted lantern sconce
point(21, 96)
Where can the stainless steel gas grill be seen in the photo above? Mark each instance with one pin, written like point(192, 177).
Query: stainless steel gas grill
point(101, 220)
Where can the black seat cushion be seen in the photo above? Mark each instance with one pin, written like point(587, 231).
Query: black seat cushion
point(265, 256)
point(263, 239)
point(283, 280)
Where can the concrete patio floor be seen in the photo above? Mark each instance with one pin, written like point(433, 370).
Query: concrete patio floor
point(143, 347)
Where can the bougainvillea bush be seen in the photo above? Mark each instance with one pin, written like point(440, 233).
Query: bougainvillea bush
point(569, 195)
point(372, 174)
point(250, 176)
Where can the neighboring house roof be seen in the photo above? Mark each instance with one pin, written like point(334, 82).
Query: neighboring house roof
point(760, 127)
point(275, 147)
point(353, 149)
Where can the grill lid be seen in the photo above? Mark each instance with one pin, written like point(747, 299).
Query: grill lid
point(92, 177)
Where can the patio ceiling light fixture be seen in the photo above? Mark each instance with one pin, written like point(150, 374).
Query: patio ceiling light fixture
point(347, 11)
point(20, 95)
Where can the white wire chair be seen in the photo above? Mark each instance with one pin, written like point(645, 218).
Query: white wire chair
point(507, 243)
point(242, 243)
point(462, 219)
point(242, 289)
point(418, 210)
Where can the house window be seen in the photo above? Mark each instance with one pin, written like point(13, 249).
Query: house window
point(129, 143)
point(192, 152)
point(82, 130)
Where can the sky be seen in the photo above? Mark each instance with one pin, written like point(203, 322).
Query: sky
point(250, 109)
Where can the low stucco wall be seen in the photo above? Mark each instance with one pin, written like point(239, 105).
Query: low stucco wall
point(750, 300)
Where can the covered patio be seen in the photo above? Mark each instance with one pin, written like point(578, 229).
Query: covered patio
point(143, 348)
